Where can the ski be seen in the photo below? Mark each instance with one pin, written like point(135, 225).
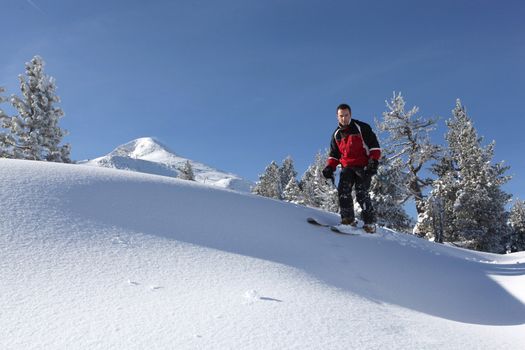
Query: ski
point(341, 229)
point(316, 222)
point(346, 230)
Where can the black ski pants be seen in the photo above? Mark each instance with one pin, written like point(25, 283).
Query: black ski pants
point(353, 177)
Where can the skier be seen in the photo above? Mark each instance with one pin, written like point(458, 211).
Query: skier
point(354, 145)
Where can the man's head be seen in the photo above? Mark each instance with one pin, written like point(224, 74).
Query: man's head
point(344, 114)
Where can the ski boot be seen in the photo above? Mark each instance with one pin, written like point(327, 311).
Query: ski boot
point(349, 221)
point(369, 228)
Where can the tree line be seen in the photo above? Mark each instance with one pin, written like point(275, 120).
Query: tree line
point(456, 187)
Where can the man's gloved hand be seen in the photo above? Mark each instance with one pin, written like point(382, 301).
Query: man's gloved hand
point(371, 168)
point(328, 172)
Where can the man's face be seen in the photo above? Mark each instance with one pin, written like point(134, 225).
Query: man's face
point(344, 116)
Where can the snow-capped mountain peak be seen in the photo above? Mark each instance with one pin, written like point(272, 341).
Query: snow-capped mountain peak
point(142, 148)
point(148, 155)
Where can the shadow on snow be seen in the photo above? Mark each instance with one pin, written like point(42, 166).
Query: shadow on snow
point(386, 268)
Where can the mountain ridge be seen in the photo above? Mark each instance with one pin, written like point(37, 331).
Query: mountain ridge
point(149, 155)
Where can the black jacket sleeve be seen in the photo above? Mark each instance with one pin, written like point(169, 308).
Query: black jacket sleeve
point(334, 155)
point(370, 140)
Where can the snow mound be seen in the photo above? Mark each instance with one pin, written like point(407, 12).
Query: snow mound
point(147, 155)
point(99, 258)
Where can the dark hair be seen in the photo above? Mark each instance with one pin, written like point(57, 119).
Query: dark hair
point(344, 106)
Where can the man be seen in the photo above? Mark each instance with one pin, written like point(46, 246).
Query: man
point(354, 145)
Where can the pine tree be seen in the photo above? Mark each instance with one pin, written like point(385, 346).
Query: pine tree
point(319, 192)
point(388, 195)
point(269, 184)
point(409, 140)
point(6, 138)
point(36, 127)
point(470, 188)
point(307, 186)
point(186, 172)
point(292, 192)
point(516, 240)
point(436, 222)
point(287, 172)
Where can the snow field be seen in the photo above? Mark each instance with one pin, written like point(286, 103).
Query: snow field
point(100, 258)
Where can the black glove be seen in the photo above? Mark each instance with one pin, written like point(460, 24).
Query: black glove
point(371, 168)
point(328, 172)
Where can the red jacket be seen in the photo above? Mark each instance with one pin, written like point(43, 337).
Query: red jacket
point(353, 145)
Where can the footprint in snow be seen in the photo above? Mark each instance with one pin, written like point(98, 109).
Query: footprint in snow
point(117, 240)
point(252, 296)
point(151, 287)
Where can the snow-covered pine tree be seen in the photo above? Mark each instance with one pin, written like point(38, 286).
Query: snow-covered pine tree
point(186, 172)
point(287, 172)
point(478, 213)
point(307, 186)
point(319, 192)
point(292, 192)
point(6, 138)
point(36, 127)
point(516, 240)
point(2, 100)
point(436, 223)
point(388, 195)
point(269, 184)
point(409, 140)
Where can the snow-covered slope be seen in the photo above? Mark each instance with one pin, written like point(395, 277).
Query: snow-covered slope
point(94, 258)
point(147, 155)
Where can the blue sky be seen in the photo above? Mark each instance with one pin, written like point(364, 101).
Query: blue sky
point(237, 84)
